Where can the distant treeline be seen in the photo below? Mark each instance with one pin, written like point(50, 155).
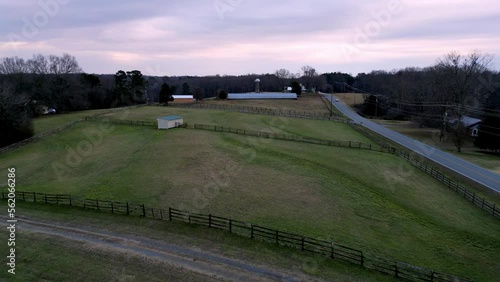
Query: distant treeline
point(456, 86)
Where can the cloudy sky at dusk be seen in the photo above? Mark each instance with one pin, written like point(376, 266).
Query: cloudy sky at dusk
point(206, 37)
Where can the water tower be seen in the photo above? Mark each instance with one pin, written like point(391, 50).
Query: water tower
point(257, 85)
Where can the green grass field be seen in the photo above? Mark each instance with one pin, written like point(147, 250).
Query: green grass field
point(368, 200)
point(49, 122)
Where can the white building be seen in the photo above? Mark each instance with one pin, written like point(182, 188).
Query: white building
point(170, 122)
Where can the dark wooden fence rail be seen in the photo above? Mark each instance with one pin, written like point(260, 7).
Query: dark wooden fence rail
point(289, 137)
point(262, 111)
point(307, 244)
point(490, 208)
point(123, 121)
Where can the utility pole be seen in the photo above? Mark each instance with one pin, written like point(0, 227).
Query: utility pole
point(376, 106)
point(443, 126)
point(331, 102)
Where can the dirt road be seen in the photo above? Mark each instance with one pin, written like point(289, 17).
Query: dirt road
point(214, 266)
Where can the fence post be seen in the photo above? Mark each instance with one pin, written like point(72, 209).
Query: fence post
point(45, 198)
point(128, 210)
point(57, 199)
point(332, 256)
point(24, 198)
point(432, 275)
point(143, 211)
point(169, 214)
point(251, 231)
point(70, 201)
point(482, 205)
point(112, 208)
point(230, 226)
point(277, 237)
point(362, 259)
point(396, 270)
point(493, 210)
point(97, 204)
point(302, 243)
point(209, 221)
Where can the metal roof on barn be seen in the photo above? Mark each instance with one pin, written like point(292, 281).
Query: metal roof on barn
point(171, 118)
point(182, 96)
point(253, 96)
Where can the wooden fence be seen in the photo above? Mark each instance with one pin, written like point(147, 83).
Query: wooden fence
point(490, 208)
point(289, 137)
point(263, 111)
point(265, 234)
point(123, 121)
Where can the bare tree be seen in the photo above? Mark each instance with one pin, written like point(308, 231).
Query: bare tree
point(38, 64)
point(13, 65)
point(66, 64)
point(459, 134)
point(457, 79)
point(283, 75)
point(309, 71)
point(309, 76)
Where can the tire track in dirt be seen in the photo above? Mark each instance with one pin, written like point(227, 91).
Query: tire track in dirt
point(209, 264)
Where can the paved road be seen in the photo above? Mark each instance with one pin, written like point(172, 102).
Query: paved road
point(471, 171)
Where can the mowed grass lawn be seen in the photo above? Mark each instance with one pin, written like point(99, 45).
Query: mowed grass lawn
point(368, 200)
point(271, 124)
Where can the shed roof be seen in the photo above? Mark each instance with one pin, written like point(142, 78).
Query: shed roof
point(170, 118)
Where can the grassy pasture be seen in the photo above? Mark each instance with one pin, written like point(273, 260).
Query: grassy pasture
point(49, 122)
point(367, 200)
point(306, 102)
point(304, 127)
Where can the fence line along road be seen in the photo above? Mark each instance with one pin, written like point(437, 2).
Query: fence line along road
point(473, 172)
point(482, 203)
point(307, 244)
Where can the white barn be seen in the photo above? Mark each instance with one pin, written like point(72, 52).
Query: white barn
point(170, 122)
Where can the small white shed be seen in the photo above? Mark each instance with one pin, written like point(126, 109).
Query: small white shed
point(170, 122)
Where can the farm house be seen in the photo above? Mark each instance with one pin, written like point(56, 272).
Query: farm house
point(170, 122)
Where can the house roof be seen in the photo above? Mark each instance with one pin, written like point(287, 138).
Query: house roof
point(170, 118)
point(468, 121)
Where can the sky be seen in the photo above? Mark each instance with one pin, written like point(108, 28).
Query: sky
point(237, 37)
